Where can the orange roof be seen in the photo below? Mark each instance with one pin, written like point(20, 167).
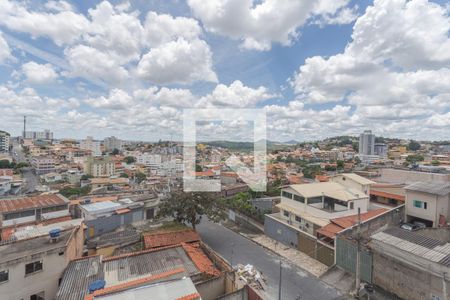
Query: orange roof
point(95, 199)
point(133, 283)
point(340, 224)
point(10, 205)
point(201, 261)
point(6, 172)
point(295, 179)
point(122, 211)
point(194, 296)
point(208, 173)
point(349, 221)
point(388, 195)
point(161, 239)
point(7, 232)
point(229, 174)
point(56, 220)
point(322, 178)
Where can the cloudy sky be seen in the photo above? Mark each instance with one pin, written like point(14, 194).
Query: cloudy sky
point(318, 67)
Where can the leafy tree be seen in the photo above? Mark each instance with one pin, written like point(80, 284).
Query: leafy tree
point(412, 159)
point(124, 175)
point(140, 177)
point(129, 159)
point(5, 164)
point(86, 177)
point(435, 163)
point(71, 191)
point(340, 164)
point(198, 168)
point(190, 207)
point(115, 151)
point(413, 145)
point(22, 165)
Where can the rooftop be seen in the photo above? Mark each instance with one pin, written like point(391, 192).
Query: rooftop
point(161, 239)
point(430, 187)
point(17, 204)
point(330, 189)
point(357, 178)
point(101, 206)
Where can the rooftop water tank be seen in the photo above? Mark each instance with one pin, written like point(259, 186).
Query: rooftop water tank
point(55, 233)
point(96, 285)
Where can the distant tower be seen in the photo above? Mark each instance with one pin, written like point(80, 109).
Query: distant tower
point(24, 125)
point(367, 143)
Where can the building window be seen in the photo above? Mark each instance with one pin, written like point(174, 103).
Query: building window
point(54, 208)
point(299, 198)
point(417, 203)
point(298, 219)
point(352, 205)
point(313, 200)
point(33, 267)
point(286, 195)
point(285, 213)
point(17, 215)
point(4, 276)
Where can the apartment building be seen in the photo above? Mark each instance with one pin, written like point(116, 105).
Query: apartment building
point(99, 166)
point(90, 144)
point(111, 143)
point(39, 135)
point(367, 143)
point(149, 159)
point(4, 141)
point(33, 261)
point(43, 164)
point(429, 203)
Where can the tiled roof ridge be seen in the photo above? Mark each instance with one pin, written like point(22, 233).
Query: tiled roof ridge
point(140, 252)
point(193, 296)
point(122, 286)
point(201, 261)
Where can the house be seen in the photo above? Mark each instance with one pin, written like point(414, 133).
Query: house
point(33, 262)
point(52, 177)
point(32, 210)
point(386, 194)
point(306, 208)
point(107, 216)
point(429, 203)
point(412, 264)
point(43, 164)
point(163, 239)
point(191, 271)
point(108, 182)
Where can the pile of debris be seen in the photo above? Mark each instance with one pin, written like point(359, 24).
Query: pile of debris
point(249, 275)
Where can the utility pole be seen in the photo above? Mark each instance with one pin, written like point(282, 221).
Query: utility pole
point(444, 286)
point(279, 283)
point(358, 254)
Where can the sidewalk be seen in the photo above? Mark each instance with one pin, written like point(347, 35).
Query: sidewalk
point(296, 257)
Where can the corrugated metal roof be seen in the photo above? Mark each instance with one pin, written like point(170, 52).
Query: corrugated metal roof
point(77, 277)
point(417, 244)
point(430, 187)
point(11, 205)
point(150, 263)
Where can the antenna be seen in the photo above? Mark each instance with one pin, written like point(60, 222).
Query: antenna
point(24, 125)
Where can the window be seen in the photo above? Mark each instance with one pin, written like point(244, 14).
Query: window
point(417, 204)
point(4, 276)
point(298, 219)
point(299, 198)
point(16, 215)
point(285, 213)
point(33, 267)
point(351, 205)
point(313, 200)
point(424, 205)
point(53, 208)
point(286, 194)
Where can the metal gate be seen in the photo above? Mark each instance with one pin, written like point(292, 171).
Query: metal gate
point(346, 259)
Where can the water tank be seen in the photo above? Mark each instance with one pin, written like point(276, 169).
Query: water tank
point(55, 233)
point(96, 285)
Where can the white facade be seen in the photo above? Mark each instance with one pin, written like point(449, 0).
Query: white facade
point(39, 135)
point(90, 144)
point(4, 141)
point(112, 143)
point(99, 167)
point(367, 143)
point(148, 159)
point(43, 164)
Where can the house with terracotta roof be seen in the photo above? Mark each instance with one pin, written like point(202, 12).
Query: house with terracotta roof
point(180, 271)
point(164, 238)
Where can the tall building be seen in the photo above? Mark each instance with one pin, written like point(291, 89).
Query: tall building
point(112, 143)
point(99, 167)
point(91, 145)
point(39, 135)
point(4, 141)
point(367, 143)
point(381, 149)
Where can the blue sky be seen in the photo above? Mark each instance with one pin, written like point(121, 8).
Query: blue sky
point(319, 68)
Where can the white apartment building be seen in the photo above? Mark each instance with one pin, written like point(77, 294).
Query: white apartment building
point(39, 135)
point(148, 159)
point(367, 143)
point(4, 141)
point(90, 144)
point(112, 143)
point(99, 166)
point(43, 164)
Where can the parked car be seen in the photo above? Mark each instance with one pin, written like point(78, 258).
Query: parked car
point(409, 226)
point(420, 225)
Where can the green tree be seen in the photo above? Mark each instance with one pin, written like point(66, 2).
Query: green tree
point(115, 151)
point(413, 145)
point(140, 177)
point(71, 191)
point(21, 165)
point(190, 207)
point(340, 164)
point(5, 164)
point(86, 177)
point(124, 175)
point(435, 163)
point(198, 168)
point(412, 159)
point(129, 159)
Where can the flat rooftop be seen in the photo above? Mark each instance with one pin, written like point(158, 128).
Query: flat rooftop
point(18, 204)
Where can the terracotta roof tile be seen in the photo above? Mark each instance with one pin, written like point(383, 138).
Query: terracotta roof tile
point(330, 230)
point(201, 261)
point(194, 296)
point(388, 195)
point(133, 283)
point(6, 172)
point(10, 205)
point(161, 239)
point(56, 220)
point(346, 222)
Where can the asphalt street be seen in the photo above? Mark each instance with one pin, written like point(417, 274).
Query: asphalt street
point(296, 282)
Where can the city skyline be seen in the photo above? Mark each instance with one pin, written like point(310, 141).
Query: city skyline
point(129, 68)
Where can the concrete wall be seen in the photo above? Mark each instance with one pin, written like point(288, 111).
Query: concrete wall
point(405, 176)
point(211, 289)
point(436, 205)
point(404, 280)
point(111, 223)
point(280, 232)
